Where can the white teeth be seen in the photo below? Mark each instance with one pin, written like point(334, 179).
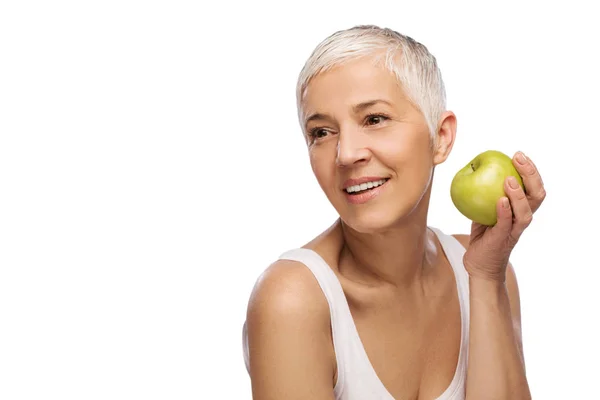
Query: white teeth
point(365, 186)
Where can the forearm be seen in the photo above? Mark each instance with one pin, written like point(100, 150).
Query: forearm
point(496, 369)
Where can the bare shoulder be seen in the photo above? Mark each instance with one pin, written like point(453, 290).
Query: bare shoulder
point(286, 288)
point(288, 326)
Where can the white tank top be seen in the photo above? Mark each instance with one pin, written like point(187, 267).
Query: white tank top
point(356, 378)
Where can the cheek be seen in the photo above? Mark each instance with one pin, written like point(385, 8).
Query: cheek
point(321, 167)
point(411, 158)
point(411, 150)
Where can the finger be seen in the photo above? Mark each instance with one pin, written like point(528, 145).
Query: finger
point(521, 210)
point(504, 223)
point(532, 180)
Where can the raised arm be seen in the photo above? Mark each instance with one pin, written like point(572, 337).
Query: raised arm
point(289, 337)
point(496, 364)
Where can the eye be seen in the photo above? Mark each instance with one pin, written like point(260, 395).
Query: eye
point(317, 133)
point(375, 119)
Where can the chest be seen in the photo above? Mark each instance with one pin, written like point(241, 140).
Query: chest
point(412, 346)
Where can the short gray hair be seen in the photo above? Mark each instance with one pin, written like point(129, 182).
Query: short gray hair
point(411, 62)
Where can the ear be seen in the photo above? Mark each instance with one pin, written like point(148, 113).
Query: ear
point(444, 138)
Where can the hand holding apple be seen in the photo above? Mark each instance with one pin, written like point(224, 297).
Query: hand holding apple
point(522, 194)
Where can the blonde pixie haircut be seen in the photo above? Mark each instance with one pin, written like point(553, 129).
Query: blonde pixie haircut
point(414, 66)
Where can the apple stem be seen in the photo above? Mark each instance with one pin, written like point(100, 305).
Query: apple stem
point(472, 167)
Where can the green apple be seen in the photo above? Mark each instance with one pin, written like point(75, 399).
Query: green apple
point(476, 189)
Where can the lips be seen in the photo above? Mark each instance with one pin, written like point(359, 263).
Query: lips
point(361, 180)
point(355, 189)
point(363, 196)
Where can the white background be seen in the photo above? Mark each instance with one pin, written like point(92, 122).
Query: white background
point(151, 167)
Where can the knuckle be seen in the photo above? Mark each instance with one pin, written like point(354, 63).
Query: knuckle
point(530, 170)
point(527, 219)
point(542, 194)
point(519, 194)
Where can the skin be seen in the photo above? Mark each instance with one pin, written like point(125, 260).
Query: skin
point(394, 273)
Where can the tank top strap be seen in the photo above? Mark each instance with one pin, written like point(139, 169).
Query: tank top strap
point(328, 281)
point(455, 252)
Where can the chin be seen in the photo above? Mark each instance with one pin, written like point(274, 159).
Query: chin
point(374, 220)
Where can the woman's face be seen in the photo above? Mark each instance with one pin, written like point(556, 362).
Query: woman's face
point(359, 125)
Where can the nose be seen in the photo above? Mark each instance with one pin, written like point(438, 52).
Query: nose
point(351, 148)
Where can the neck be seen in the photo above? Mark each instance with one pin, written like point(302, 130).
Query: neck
point(397, 255)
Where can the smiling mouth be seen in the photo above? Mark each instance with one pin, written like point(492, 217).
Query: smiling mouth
point(364, 187)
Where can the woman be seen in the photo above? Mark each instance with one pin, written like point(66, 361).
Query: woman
point(380, 305)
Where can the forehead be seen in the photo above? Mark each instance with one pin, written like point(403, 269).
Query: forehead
point(351, 83)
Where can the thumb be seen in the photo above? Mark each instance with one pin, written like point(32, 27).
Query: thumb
point(504, 219)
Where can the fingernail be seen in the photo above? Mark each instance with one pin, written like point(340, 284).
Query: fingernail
point(521, 158)
point(512, 182)
point(505, 203)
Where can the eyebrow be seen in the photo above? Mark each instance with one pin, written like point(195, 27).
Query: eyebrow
point(364, 105)
point(356, 109)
